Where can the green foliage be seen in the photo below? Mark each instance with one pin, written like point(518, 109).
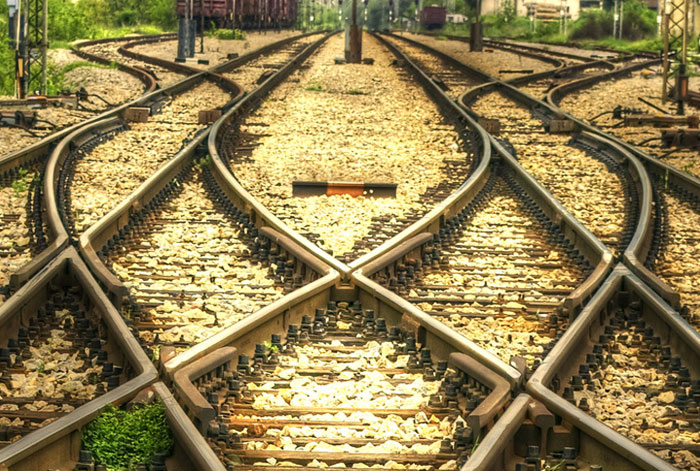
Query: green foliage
point(314, 87)
point(592, 24)
point(508, 10)
point(500, 26)
point(95, 19)
point(122, 440)
point(638, 22)
point(203, 163)
point(215, 32)
point(7, 55)
point(67, 21)
point(20, 185)
point(592, 29)
point(324, 17)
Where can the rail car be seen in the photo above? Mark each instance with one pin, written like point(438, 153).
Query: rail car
point(243, 14)
point(433, 17)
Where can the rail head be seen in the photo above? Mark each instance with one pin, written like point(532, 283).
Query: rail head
point(185, 383)
point(489, 409)
point(193, 443)
point(491, 448)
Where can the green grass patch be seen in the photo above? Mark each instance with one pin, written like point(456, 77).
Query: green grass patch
point(313, 88)
point(21, 184)
point(234, 34)
point(121, 440)
point(356, 92)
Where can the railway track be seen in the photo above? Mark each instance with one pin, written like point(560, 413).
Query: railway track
point(595, 188)
point(183, 262)
point(290, 123)
point(598, 102)
point(633, 372)
point(101, 174)
point(675, 245)
point(503, 63)
point(342, 388)
point(498, 272)
point(54, 117)
point(331, 396)
point(672, 242)
point(194, 265)
point(63, 348)
point(278, 361)
point(584, 184)
point(112, 50)
point(46, 369)
point(454, 80)
point(253, 73)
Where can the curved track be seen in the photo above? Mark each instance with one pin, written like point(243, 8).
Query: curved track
point(409, 356)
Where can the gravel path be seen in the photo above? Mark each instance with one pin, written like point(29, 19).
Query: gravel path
point(113, 169)
point(15, 231)
point(215, 50)
point(350, 123)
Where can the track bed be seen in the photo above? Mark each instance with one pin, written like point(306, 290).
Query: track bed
point(395, 135)
point(497, 273)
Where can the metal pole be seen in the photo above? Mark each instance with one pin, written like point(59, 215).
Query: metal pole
point(666, 65)
point(44, 44)
point(355, 52)
point(201, 25)
point(622, 15)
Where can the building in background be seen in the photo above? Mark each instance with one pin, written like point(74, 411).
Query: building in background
point(456, 18)
point(544, 10)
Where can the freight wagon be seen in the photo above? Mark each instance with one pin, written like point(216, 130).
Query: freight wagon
point(433, 17)
point(243, 14)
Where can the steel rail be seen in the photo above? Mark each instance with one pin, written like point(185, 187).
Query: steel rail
point(34, 152)
point(581, 334)
point(633, 259)
point(593, 249)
